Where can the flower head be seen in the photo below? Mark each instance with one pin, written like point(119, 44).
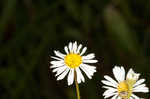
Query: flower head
point(123, 88)
point(73, 62)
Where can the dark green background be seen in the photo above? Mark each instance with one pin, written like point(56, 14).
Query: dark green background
point(117, 31)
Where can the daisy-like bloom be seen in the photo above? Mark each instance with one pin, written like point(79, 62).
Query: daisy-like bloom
point(124, 87)
point(73, 62)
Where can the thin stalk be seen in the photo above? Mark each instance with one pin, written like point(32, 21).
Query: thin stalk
point(77, 86)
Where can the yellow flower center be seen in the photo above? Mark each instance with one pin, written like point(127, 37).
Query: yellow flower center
point(125, 88)
point(73, 60)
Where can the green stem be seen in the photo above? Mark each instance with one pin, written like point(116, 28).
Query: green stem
point(77, 86)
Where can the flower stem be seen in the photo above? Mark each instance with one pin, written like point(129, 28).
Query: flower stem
point(77, 86)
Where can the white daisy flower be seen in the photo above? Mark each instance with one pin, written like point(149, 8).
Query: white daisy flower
point(123, 88)
point(73, 62)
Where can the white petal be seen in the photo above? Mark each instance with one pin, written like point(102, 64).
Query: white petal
point(112, 91)
point(114, 97)
point(111, 80)
point(139, 82)
point(141, 88)
point(109, 93)
point(88, 57)
point(59, 54)
point(59, 69)
point(56, 64)
point(79, 47)
point(90, 61)
point(70, 47)
point(122, 74)
point(131, 98)
point(132, 75)
point(119, 97)
point(116, 72)
point(61, 76)
point(144, 90)
point(75, 47)
point(119, 73)
point(71, 77)
point(66, 49)
point(87, 71)
point(109, 88)
point(83, 51)
point(79, 75)
point(59, 59)
point(134, 96)
point(91, 69)
point(108, 83)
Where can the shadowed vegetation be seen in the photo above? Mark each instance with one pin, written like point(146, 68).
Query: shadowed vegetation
point(117, 31)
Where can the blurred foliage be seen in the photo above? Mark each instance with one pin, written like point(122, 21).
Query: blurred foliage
point(117, 31)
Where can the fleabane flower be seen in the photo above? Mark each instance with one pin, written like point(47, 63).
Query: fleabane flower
point(124, 87)
point(72, 63)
